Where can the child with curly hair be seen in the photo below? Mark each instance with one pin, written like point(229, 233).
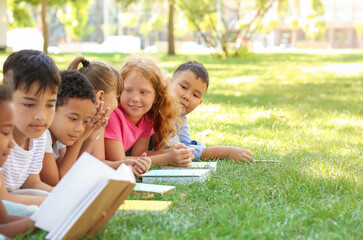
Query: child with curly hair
point(146, 106)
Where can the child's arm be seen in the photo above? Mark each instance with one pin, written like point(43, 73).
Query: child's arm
point(116, 153)
point(49, 173)
point(114, 149)
point(141, 165)
point(95, 128)
point(178, 155)
point(24, 199)
point(11, 225)
point(85, 143)
point(235, 153)
point(99, 147)
point(33, 182)
point(67, 157)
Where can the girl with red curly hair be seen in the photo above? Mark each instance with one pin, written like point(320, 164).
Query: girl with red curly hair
point(147, 107)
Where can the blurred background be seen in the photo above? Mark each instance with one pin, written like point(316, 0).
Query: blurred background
point(229, 27)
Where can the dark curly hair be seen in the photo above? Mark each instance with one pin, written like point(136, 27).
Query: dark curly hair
point(74, 85)
point(5, 93)
point(23, 68)
point(197, 68)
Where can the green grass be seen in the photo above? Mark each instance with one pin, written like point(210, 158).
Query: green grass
point(312, 122)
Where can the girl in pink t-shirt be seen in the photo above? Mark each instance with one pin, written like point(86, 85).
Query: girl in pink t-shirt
point(146, 107)
point(108, 85)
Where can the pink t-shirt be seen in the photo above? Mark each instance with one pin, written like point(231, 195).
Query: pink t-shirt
point(120, 128)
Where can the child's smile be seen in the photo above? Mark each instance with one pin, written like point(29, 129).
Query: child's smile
point(138, 97)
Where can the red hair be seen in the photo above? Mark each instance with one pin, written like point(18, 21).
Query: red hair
point(165, 109)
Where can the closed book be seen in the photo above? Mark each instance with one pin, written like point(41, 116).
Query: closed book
point(138, 206)
point(176, 175)
point(153, 188)
point(198, 165)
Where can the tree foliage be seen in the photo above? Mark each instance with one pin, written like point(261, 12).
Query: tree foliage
point(19, 15)
point(156, 22)
point(314, 24)
point(231, 24)
point(74, 16)
point(237, 22)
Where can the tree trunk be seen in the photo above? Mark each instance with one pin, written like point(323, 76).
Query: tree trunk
point(3, 25)
point(45, 25)
point(171, 47)
point(224, 49)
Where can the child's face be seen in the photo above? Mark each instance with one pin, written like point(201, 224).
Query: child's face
point(33, 111)
point(189, 89)
point(138, 97)
point(70, 120)
point(6, 130)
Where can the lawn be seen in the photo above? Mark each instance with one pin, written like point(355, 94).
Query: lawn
point(302, 109)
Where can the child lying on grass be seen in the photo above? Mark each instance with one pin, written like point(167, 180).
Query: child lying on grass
point(190, 82)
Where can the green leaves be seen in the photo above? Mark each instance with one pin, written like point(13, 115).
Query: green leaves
point(74, 16)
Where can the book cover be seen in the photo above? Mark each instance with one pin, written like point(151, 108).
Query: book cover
point(153, 188)
point(176, 175)
point(198, 165)
point(145, 206)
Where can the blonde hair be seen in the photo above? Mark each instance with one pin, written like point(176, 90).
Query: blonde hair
point(102, 75)
point(165, 109)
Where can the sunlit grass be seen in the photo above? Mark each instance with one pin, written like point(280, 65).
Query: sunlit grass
point(295, 108)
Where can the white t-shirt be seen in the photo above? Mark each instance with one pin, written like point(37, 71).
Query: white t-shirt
point(53, 148)
point(21, 163)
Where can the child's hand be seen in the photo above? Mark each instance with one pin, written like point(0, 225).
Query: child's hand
point(181, 155)
point(97, 123)
point(240, 155)
point(141, 165)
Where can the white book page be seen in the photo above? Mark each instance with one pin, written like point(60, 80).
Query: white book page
point(74, 187)
point(124, 173)
point(62, 227)
point(57, 191)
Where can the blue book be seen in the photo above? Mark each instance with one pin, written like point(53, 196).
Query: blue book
point(176, 175)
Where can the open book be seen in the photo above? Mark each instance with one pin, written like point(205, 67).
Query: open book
point(85, 199)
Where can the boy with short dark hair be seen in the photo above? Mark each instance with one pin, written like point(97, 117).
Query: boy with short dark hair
point(74, 122)
point(34, 78)
point(190, 82)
